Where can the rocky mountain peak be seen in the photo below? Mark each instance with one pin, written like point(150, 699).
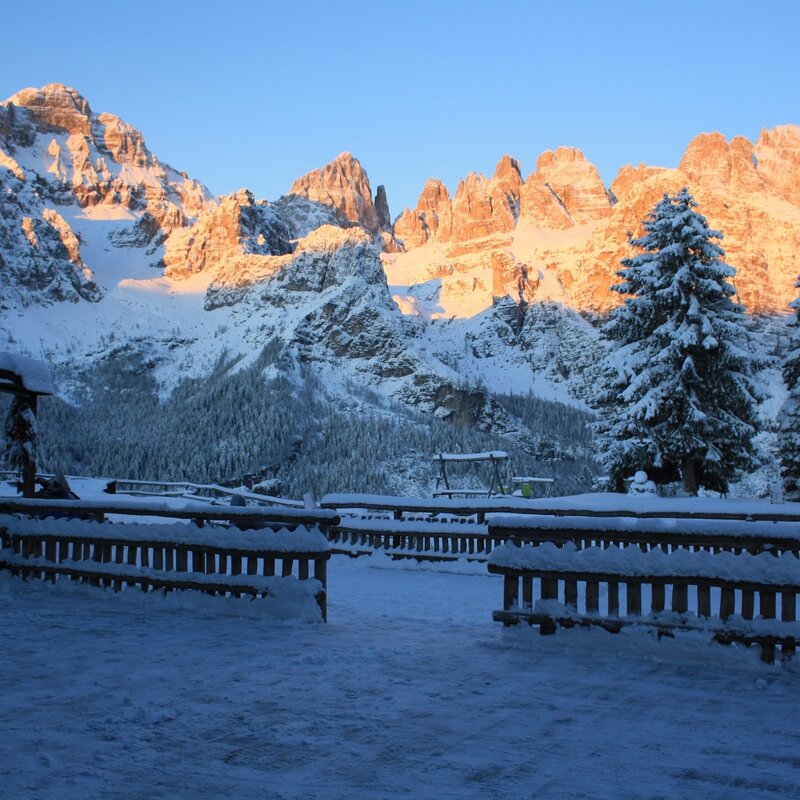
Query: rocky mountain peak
point(382, 209)
point(344, 185)
point(55, 106)
point(576, 182)
point(714, 162)
point(432, 214)
point(777, 156)
point(508, 171)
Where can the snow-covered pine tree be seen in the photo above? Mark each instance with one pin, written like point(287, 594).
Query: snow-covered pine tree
point(789, 434)
point(677, 397)
point(21, 437)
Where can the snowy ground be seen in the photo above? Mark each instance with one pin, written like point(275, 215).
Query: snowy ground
point(409, 691)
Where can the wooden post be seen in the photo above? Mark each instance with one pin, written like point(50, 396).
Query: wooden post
point(634, 599)
point(527, 592)
point(592, 596)
point(571, 594)
point(321, 574)
point(704, 600)
point(613, 599)
point(726, 603)
point(680, 601)
point(748, 598)
point(510, 591)
point(657, 597)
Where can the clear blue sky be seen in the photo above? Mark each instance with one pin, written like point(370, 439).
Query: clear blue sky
point(248, 93)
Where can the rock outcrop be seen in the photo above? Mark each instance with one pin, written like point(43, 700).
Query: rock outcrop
point(234, 237)
point(777, 159)
point(344, 186)
point(330, 304)
point(382, 210)
point(40, 258)
point(55, 108)
point(576, 183)
point(432, 214)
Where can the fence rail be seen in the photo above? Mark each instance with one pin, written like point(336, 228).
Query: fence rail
point(250, 555)
point(187, 489)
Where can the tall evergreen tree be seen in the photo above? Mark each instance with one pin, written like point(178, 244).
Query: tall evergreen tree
point(677, 397)
point(789, 434)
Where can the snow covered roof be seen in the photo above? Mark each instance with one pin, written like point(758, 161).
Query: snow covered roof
point(26, 372)
point(492, 454)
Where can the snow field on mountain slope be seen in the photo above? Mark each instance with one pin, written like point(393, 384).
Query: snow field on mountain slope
point(409, 691)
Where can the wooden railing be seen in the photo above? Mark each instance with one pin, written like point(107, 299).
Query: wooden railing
point(666, 533)
point(185, 489)
point(428, 529)
point(699, 583)
point(613, 507)
point(420, 539)
point(194, 511)
point(194, 491)
point(215, 559)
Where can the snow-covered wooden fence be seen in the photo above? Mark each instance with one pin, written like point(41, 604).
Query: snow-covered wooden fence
point(475, 509)
point(743, 589)
point(420, 538)
point(277, 553)
point(194, 491)
point(665, 532)
point(445, 530)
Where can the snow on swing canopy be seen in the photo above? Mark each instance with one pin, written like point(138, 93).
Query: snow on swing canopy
point(492, 455)
point(24, 375)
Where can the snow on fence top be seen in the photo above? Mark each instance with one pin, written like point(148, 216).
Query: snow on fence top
point(671, 526)
point(412, 527)
point(183, 487)
point(439, 505)
point(584, 505)
point(33, 375)
point(272, 585)
point(300, 540)
point(190, 510)
point(488, 456)
point(612, 504)
point(631, 561)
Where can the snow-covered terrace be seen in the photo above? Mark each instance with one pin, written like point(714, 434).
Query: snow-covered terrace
point(409, 691)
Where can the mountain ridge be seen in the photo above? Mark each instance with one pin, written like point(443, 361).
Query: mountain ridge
point(491, 289)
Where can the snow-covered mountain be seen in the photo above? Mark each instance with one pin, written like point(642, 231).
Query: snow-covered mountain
point(105, 251)
point(147, 255)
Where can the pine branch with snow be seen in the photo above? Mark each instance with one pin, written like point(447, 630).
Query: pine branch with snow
point(789, 418)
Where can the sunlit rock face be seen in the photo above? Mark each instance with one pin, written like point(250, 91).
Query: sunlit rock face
point(433, 214)
point(101, 160)
point(235, 238)
point(560, 235)
point(777, 158)
point(343, 184)
point(576, 183)
point(69, 178)
point(55, 108)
